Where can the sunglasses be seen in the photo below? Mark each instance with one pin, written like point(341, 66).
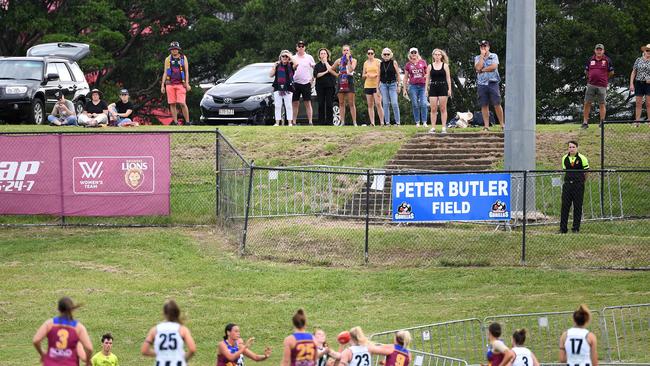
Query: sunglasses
point(386, 54)
point(371, 53)
point(414, 52)
point(123, 94)
point(301, 46)
point(284, 56)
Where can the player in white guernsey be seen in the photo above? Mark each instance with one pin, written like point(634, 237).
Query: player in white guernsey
point(578, 344)
point(360, 351)
point(169, 339)
point(523, 356)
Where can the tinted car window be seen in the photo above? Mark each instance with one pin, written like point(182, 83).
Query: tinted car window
point(64, 73)
point(78, 74)
point(21, 69)
point(51, 69)
point(251, 74)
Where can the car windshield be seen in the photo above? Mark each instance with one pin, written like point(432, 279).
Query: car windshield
point(251, 74)
point(21, 69)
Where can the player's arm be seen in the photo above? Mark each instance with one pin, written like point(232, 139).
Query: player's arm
point(535, 361)
point(562, 350)
point(85, 342)
point(286, 352)
point(38, 337)
point(189, 341)
point(385, 349)
point(593, 343)
point(255, 357)
point(147, 345)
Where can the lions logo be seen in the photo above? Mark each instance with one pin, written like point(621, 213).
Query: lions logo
point(134, 178)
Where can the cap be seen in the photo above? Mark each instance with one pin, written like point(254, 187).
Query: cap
point(600, 45)
point(301, 43)
point(484, 43)
point(174, 46)
point(58, 95)
point(124, 92)
point(413, 49)
point(646, 47)
point(96, 91)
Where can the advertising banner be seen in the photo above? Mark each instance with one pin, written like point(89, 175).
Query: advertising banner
point(85, 174)
point(30, 175)
point(451, 197)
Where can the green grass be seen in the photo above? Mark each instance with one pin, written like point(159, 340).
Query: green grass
point(122, 276)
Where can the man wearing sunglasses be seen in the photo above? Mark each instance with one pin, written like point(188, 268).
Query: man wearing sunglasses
point(304, 64)
point(487, 79)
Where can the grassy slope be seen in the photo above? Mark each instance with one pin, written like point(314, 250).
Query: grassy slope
point(122, 276)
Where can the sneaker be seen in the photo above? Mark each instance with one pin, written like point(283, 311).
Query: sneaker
point(432, 130)
point(417, 124)
point(444, 130)
point(55, 123)
point(424, 124)
point(584, 126)
point(486, 129)
point(174, 123)
point(276, 124)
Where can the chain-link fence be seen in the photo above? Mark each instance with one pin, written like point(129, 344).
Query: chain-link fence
point(338, 216)
point(623, 333)
point(192, 186)
point(232, 189)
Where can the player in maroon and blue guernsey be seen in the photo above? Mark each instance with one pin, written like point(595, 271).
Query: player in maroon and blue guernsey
point(400, 355)
point(63, 334)
point(299, 348)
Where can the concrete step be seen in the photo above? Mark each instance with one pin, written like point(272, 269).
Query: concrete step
point(458, 157)
point(468, 135)
point(449, 139)
point(454, 145)
point(437, 162)
point(448, 151)
point(440, 168)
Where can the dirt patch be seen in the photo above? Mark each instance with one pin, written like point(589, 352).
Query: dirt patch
point(92, 266)
point(551, 146)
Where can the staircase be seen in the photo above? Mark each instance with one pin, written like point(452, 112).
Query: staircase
point(431, 152)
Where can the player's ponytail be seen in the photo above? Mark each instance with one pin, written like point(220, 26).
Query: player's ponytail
point(299, 319)
point(358, 337)
point(582, 315)
point(519, 336)
point(403, 338)
point(172, 312)
point(66, 306)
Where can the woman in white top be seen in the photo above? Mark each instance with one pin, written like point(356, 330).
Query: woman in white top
point(523, 356)
point(578, 344)
point(168, 339)
point(360, 351)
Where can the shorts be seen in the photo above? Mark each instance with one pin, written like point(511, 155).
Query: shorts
point(369, 91)
point(350, 86)
point(489, 94)
point(595, 93)
point(303, 90)
point(175, 93)
point(438, 89)
point(641, 88)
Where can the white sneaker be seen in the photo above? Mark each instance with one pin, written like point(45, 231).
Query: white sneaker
point(424, 124)
point(444, 130)
point(276, 124)
point(432, 130)
point(417, 124)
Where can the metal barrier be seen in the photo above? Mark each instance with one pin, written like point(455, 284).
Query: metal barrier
point(458, 338)
point(544, 329)
point(419, 358)
point(627, 332)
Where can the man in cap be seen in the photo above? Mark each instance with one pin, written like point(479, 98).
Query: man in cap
point(176, 82)
point(304, 64)
point(486, 65)
point(63, 113)
point(95, 112)
point(598, 71)
point(120, 112)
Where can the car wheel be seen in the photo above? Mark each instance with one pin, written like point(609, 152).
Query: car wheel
point(79, 106)
point(336, 115)
point(37, 112)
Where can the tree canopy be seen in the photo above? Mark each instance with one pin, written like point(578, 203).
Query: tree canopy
point(129, 38)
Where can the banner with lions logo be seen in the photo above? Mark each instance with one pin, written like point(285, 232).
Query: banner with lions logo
point(85, 175)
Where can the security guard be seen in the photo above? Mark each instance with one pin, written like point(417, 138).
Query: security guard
point(573, 189)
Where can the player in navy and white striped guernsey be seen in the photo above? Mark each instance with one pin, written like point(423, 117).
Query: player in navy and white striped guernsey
point(169, 338)
point(578, 344)
point(523, 356)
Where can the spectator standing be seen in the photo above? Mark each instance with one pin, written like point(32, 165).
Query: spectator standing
point(573, 189)
point(166, 341)
point(325, 87)
point(598, 70)
point(345, 67)
point(640, 83)
point(282, 73)
point(95, 111)
point(63, 333)
point(63, 113)
point(371, 74)
point(105, 357)
point(121, 111)
point(439, 88)
point(389, 85)
point(415, 83)
point(176, 82)
point(486, 65)
point(232, 350)
point(303, 78)
point(578, 346)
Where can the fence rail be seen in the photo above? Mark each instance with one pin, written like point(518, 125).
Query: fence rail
point(623, 334)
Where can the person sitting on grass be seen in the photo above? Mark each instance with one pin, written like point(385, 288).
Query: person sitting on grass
point(63, 113)
point(120, 112)
point(95, 112)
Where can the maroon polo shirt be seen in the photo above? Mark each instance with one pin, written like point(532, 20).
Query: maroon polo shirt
point(598, 70)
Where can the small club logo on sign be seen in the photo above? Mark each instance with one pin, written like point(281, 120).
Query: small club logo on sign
point(113, 174)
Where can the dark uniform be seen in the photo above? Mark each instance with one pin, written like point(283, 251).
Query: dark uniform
point(573, 190)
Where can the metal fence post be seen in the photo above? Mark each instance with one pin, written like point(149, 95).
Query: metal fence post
point(61, 178)
point(602, 168)
point(365, 251)
point(248, 204)
point(523, 225)
point(218, 173)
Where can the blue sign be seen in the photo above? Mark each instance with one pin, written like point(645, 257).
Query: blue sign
point(451, 197)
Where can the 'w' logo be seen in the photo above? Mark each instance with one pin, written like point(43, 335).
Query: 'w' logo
point(92, 171)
